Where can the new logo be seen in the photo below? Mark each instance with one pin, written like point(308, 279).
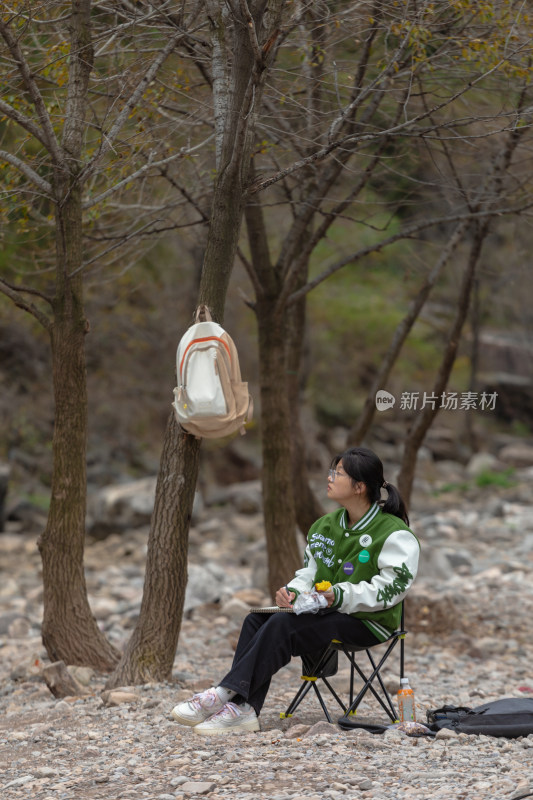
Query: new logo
point(384, 400)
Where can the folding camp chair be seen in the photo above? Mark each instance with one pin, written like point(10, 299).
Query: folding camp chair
point(319, 668)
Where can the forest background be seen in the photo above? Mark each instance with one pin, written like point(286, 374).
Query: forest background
point(347, 185)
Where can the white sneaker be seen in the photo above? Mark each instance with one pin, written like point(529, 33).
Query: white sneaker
point(230, 719)
point(198, 709)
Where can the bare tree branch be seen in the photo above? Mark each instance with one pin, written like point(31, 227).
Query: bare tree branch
point(121, 241)
point(25, 122)
point(14, 294)
point(49, 136)
point(364, 421)
point(403, 127)
point(203, 213)
point(80, 66)
point(184, 151)
point(26, 170)
point(109, 137)
point(423, 420)
point(407, 233)
point(252, 34)
point(375, 85)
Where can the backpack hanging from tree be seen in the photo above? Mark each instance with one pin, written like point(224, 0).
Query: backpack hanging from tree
point(211, 400)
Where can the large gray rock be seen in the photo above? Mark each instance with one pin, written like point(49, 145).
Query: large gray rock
point(434, 564)
point(517, 455)
point(513, 396)
point(235, 609)
point(26, 517)
point(205, 584)
point(445, 444)
point(124, 506)
point(245, 497)
point(483, 462)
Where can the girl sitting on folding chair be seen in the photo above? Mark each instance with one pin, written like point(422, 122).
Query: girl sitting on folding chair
point(366, 551)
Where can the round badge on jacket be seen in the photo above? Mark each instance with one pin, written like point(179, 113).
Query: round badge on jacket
point(364, 556)
point(365, 540)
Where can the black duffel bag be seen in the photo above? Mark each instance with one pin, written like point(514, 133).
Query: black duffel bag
point(510, 717)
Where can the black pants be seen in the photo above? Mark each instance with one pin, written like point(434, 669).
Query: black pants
point(268, 641)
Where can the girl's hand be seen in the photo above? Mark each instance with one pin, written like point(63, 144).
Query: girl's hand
point(329, 595)
point(284, 598)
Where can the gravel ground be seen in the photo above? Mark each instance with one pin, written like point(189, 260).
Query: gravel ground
point(125, 746)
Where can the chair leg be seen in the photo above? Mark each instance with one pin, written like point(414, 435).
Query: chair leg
point(313, 675)
point(352, 684)
point(389, 709)
point(312, 672)
point(321, 701)
point(296, 700)
point(333, 693)
point(393, 715)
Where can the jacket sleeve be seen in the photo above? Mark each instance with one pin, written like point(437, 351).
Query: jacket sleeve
point(304, 579)
point(397, 564)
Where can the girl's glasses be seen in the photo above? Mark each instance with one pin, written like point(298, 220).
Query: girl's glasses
point(333, 474)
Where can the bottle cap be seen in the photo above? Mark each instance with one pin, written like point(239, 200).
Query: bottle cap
point(404, 681)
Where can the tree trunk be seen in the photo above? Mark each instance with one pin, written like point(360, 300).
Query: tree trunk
point(471, 435)
point(277, 482)
point(279, 514)
point(307, 507)
point(359, 431)
point(423, 422)
point(489, 195)
point(69, 630)
point(150, 653)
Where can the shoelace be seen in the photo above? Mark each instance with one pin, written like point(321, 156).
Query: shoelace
point(204, 700)
point(229, 710)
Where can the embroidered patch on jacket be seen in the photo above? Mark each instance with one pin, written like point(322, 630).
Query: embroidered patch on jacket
point(398, 585)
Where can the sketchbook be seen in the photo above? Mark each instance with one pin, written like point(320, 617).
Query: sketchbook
point(270, 610)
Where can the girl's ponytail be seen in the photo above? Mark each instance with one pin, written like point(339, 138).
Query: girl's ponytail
point(363, 465)
point(394, 503)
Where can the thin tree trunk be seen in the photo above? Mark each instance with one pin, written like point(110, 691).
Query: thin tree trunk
point(425, 417)
point(149, 654)
point(278, 494)
point(470, 431)
point(237, 83)
point(307, 507)
point(70, 632)
point(294, 262)
point(488, 197)
point(359, 431)
point(278, 501)
point(274, 286)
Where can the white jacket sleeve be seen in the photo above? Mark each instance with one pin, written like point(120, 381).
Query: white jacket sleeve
point(304, 579)
point(398, 565)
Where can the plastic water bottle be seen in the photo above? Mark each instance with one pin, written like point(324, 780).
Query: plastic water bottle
point(406, 701)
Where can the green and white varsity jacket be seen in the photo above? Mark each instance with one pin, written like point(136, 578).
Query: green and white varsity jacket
point(370, 565)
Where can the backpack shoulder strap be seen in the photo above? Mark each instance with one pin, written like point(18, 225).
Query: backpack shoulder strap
point(203, 314)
